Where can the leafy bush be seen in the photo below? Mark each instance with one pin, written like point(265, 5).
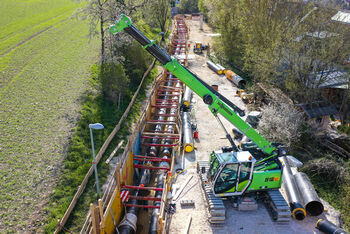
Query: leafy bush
point(188, 6)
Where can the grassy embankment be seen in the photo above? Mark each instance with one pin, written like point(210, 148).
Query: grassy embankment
point(45, 59)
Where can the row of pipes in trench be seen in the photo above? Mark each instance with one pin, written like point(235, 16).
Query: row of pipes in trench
point(160, 146)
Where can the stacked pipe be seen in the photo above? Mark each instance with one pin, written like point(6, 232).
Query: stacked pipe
point(221, 68)
point(166, 100)
point(214, 67)
point(128, 224)
point(301, 194)
point(311, 201)
point(166, 151)
point(292, 192)
point(236, 79)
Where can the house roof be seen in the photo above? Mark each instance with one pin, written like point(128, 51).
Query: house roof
point(318, 109)
point(341, 16)
point(335, 79)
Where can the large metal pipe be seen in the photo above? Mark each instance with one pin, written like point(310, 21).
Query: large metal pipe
point(214, 67)
point(187, 132)
point(293, 195)
point(236, 79)
point(128, 224)
point(186, 100)
point(221, 68)
point(153, 229)
point(166, 151)
point(312, 202)
point(329, 228)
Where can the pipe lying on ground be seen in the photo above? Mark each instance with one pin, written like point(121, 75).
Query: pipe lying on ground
point(214, 67)
point(187, 96)
point(236, 79)
point(292, 191)
point(187, 132)
point(328, 227)
point(221, 68)
point(312, 202)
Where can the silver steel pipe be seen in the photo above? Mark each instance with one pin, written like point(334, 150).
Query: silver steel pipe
point(186, 100)
point(187, 132)
point(293, 195)
point(214, 67)
point(311, 201)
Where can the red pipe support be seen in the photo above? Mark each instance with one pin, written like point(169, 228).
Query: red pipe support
point(141, 187)
point(151, 168)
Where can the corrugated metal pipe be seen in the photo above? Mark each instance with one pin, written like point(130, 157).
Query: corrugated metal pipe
point(214, 67)
point(292, 191)
point(312, 202)
point(187, 132)
point(329, 228)
point(236, 79)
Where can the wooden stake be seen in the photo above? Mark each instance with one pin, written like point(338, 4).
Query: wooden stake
point(93, 218)
point(117, 176)
point(187, 230)
point(114, 151)
point(102, 224)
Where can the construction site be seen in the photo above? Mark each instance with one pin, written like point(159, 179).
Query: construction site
point(183, 171)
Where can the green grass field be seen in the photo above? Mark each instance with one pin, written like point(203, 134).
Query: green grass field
point(45, 59)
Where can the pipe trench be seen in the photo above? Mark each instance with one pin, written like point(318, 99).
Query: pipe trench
point(157, 150)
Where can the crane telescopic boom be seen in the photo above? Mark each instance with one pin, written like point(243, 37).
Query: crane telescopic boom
point(216, 102)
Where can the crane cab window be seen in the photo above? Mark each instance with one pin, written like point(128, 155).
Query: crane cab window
point(213, 167)
point(226, 180)
point(245, 171)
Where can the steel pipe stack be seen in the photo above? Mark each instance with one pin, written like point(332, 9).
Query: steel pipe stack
point(187, 132)
point(166, 151)
point(236, 79)
point(311, 201)
point(293, 195)
point(153, 229)
point(214, 67)
point(221, 68)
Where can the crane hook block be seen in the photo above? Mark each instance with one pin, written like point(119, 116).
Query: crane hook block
point(120, 24)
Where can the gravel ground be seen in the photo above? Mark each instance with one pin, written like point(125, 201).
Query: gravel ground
point(212, 137)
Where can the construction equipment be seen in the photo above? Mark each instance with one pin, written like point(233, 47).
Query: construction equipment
point(231, 171)
point(199, 47)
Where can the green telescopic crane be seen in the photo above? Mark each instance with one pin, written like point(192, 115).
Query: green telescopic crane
point(216, 102)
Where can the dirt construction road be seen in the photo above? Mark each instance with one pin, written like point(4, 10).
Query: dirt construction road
point(212, 137)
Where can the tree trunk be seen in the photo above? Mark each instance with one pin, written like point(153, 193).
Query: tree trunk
point(102, 39)
point(102, 32)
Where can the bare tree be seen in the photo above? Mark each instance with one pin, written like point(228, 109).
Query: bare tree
point(281, 123)
point(101, 14)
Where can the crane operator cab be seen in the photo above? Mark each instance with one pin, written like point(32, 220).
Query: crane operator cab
point(231, 174)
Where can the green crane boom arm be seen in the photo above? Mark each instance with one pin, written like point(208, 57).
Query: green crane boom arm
point(215, 101)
